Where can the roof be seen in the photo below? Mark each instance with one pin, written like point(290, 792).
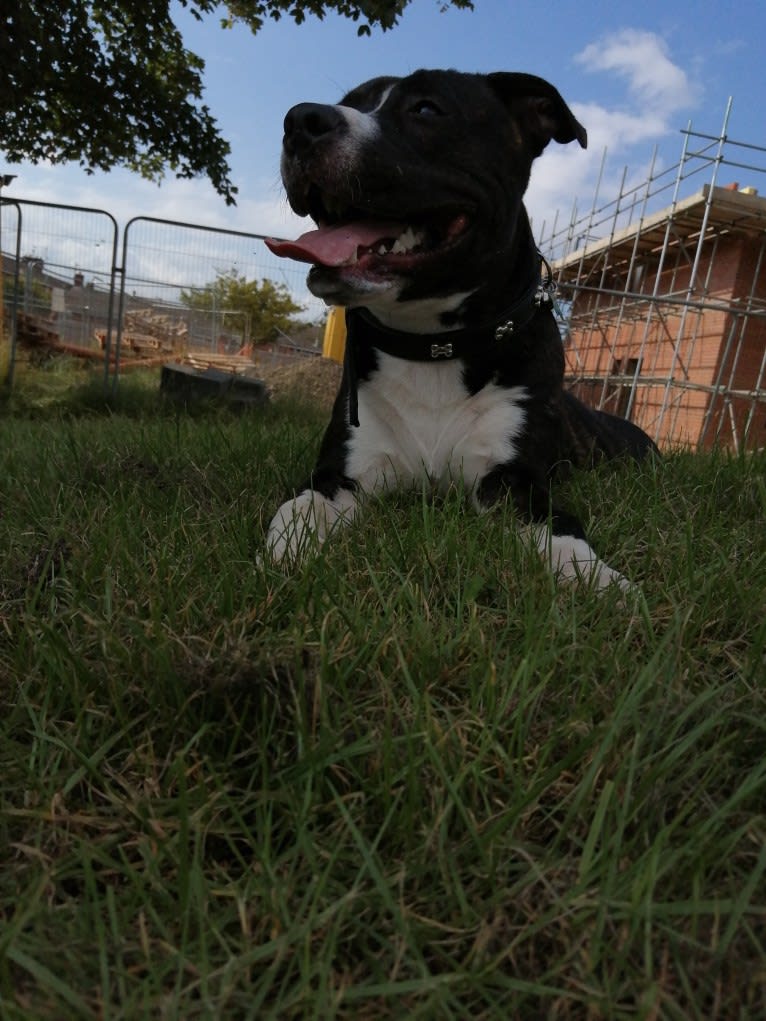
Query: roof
point(729, 212)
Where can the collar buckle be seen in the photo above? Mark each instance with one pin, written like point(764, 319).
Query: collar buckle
point(441, 350)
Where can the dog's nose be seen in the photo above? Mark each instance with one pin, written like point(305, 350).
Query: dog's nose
point(306, 123)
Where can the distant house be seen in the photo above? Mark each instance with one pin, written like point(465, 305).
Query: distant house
point(71, 304)
point(668, 320)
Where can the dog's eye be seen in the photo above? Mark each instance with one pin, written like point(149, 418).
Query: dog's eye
point(425, 108)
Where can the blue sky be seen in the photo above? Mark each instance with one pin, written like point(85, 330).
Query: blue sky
point(635, 74)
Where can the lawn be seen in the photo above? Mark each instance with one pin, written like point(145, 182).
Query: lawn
point(410, 779)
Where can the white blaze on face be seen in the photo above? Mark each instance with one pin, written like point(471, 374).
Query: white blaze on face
point(362, 126)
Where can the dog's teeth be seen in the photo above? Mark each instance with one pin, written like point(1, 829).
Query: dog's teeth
point(407, 241)
point(382, 250)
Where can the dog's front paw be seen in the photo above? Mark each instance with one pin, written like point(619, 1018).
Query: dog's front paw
point(590, 570)
point(572, 559)
point(301, 525)
point(294, 529)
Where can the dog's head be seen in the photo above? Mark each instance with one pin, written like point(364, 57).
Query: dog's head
point(415, 185)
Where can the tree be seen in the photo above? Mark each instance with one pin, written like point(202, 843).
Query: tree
point(109, 82)
point(258, 310)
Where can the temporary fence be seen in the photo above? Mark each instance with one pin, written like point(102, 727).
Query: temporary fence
point(74, 283)
point(39, 284)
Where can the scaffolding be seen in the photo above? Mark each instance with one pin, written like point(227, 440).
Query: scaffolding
point(663, 296)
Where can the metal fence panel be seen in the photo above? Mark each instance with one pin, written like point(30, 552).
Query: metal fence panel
point(10, 223)
point(169, 274)
point(64, 263)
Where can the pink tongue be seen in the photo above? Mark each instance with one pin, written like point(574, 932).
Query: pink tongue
point(335, 246)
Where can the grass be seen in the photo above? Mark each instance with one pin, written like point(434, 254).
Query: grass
point(412, 779)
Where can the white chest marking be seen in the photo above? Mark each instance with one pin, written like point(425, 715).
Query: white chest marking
point(418, 422)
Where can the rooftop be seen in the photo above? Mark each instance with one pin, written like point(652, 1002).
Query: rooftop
point(729, 211)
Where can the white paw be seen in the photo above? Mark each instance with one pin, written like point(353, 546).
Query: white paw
point(302, 525)
point(573, 559)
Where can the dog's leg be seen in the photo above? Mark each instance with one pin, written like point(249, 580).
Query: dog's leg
point(559, 536)
point(305, 522)
point(572, 559)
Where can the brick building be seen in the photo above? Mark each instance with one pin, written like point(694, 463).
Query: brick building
point(667, 320)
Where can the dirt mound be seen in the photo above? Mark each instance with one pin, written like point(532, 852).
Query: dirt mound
point(313, 379)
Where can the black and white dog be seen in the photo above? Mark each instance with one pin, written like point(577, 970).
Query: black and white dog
point(454, 364)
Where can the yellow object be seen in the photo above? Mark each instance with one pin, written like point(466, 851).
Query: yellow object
point(334, 344)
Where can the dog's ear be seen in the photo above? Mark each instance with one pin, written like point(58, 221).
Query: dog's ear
point(542, 113)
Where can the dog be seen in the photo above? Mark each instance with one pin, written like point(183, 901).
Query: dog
point(454, 364)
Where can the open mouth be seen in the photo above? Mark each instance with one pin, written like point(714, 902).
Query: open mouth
point(347, 236)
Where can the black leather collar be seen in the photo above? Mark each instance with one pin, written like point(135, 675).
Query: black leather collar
point(362, 330)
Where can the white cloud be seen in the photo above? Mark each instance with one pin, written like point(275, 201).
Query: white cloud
point(617, 129)
point(626, 125)
point(642, 59)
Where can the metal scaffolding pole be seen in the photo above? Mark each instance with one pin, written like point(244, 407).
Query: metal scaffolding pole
point(697, 255)
point(604, 267)
point(745, 320)
point(644, 290)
